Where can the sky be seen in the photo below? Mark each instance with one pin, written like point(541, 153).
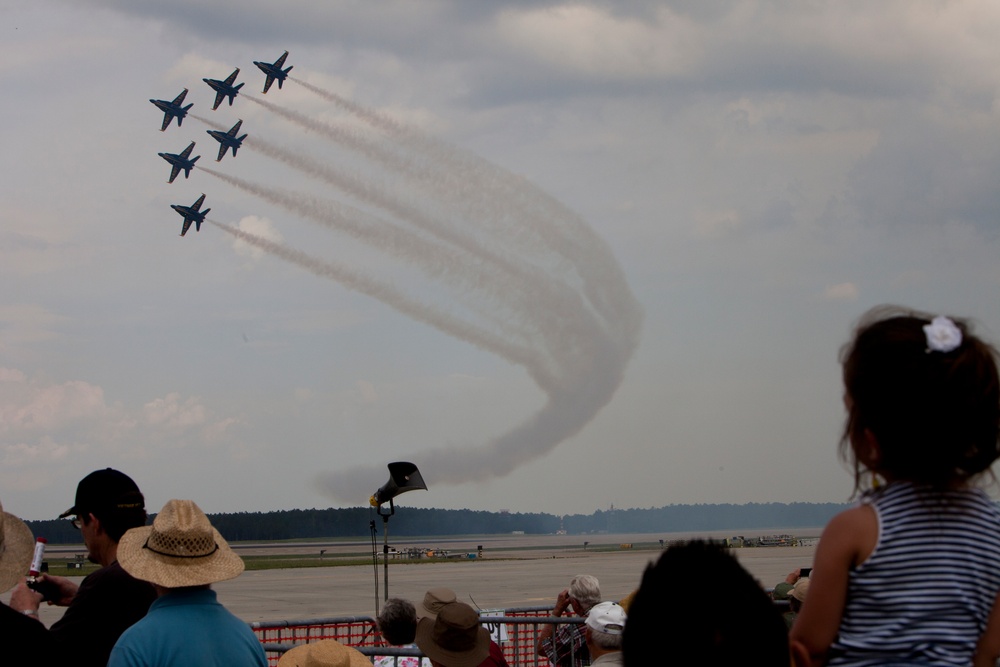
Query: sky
point(561, 256)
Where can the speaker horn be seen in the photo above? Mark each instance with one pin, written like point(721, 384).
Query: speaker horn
point(403, 477)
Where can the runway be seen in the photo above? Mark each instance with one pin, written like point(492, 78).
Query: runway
point(518, 571)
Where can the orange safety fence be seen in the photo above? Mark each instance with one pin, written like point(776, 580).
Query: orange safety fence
point(516, 631)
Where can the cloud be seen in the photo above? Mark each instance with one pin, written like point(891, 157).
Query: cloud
point(257, 226)
point(842, 292)
point(588, 41)
point(174, 413)
point(716, 224)
point(367, 391)
point(51, 422)
point(25, 324)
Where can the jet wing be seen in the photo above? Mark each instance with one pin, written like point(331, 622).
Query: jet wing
point(167, 117)
point(187, 151)
point(281, 61)
point(219, 96)
point(267, 84)
point(187, 225)
point(173, 173)
point(222, 152)
point(197, 205)
point(235, 128)
point(180, 98)
point(232, 77)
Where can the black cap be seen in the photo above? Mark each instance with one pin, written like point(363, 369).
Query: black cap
point(106, 490)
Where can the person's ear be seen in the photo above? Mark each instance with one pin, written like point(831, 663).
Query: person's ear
point(872, 452)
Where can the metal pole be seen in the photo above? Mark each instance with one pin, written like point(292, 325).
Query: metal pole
point(385, 546)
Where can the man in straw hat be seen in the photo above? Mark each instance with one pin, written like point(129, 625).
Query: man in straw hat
point(182, 555)
point(16, 547)
point(324, 653)
point(108, 503)
point(455, 638)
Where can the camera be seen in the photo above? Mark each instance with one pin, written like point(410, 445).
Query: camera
point(805, 571)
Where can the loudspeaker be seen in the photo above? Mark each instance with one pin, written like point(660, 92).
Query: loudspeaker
point(403, 477)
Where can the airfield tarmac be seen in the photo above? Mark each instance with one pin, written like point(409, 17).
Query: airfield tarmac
point(516, 571)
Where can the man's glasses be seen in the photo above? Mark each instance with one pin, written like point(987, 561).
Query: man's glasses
point(77, 522)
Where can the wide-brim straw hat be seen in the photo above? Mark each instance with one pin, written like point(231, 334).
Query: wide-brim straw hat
point(180, 549)
point(17, 546)
point(433, 600)
point(455, 638)
point(324, 653)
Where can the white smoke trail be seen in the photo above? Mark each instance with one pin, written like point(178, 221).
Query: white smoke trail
point(439, 262)
point(485, 192)
point(422, 312)
point(499, 296)
point(545, 291)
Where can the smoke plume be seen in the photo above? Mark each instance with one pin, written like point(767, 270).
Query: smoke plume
point(538, 287)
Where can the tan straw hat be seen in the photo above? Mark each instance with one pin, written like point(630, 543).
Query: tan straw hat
point(434, 599)
point(455, 638)
point(180, 549)
point(324, 653)
point(16, 548)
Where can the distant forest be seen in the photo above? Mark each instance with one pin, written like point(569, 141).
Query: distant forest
point(411, 522)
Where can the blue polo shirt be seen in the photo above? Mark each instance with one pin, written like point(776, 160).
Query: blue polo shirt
point(188, 628)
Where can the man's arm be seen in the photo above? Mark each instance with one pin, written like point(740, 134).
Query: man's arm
point(546, 631)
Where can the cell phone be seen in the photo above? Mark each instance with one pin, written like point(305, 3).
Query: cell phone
point(805, 571)
point(49, 590)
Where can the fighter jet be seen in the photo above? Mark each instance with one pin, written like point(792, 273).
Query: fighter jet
point(173, 109)
point(224, 88)
point(180, 161)
point(192, 214)
point(274, 71)
point(228, 139)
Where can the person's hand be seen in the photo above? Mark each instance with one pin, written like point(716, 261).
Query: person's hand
point(793, 576)
point(24, 599)
point(67, 589)
point(562, 603)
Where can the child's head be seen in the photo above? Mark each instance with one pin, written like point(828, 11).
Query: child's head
point(932, 411)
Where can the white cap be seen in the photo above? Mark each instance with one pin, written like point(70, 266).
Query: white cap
point(607, 617)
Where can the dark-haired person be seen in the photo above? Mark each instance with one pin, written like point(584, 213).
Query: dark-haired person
point(108, 601)
point(675, 619)
point(911, 574)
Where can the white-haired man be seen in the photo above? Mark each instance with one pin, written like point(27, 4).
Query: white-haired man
point(565, 645)
point(603, 632)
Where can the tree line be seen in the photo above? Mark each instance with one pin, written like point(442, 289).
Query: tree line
point(355, 522)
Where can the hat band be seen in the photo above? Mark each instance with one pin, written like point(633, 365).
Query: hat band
point(169, 555)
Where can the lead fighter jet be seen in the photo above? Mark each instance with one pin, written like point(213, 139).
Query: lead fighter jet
point(192, 214)
point(228, 139)
point(224, 88)
point(180, 161)
point(274, 71)
point(173, 109)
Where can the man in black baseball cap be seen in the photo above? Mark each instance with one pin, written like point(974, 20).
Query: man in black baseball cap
point(106, 602)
